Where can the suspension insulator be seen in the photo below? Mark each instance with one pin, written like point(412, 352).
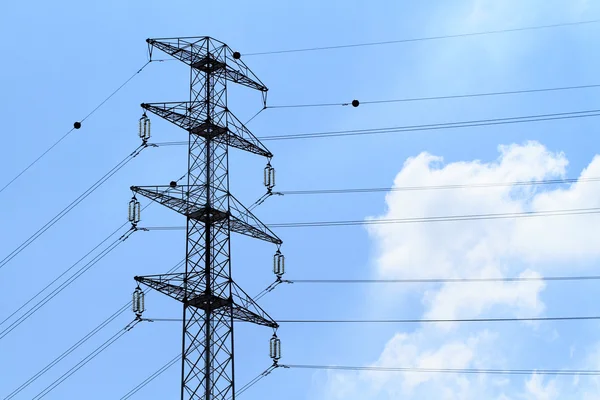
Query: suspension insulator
point(275, 348)
point(269, 176)
point(144, 131)
point(278, 263)
point(134, 211)
point(138, 302)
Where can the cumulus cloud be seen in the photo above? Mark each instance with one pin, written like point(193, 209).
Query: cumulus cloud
point(534, 246)
point(536, 389)
point(527, 247)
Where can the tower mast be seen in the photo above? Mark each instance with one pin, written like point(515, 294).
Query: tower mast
point(211, 300)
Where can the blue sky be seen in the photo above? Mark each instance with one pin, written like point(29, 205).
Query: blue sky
point(61, 59)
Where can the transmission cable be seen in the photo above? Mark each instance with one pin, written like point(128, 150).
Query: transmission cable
point(384, 221)
point(447, 97)
point(64, 273)
point(424, 127)
point(81, 341)
point(411, 321)
point(425, 321)
point(153, 376)
point(87, 359)
point(72, 205)
point(439, 187)
point(33, 309)
point(446, 125)
point(429, 38)
point(71, 349)
point(85, 268)
point(77, 125)
point(254, 381)
point(452, 218)
point(448, 280)
point(567, 372)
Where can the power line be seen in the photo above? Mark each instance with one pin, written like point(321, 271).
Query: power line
point(153, 376)
point(449, 280)
point(254, 381)
point(71, 349)
point(85, 267)
point(446, 125)
point(424, 127)
point(85, 360)
point(567, 372)
point(116, 91)
point(79, 343)
point(62, 286)
point(447, 97)
point(439, 187)
point(64, 273)
point(71, 206)
point(428, 321)
point(429, 38)
point(385, 221)
point(410, 321)
point(72, 129)
point(453, 218)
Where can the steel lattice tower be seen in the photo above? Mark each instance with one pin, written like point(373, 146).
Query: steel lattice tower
point(212, 301)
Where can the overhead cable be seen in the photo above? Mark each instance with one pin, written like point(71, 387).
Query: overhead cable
point(446, 125)
point(423, 39)
point(447, 97)
point(450, 280)
point(64, 273)
point(451, 218)
point(430, 321)
point(71, 206)
point(76, 126)
point(412, 321)
point(254, 381)
point(439, 187)
point(86, 360)
point(423, 127)
point(62, 356)
point(566, 372)
point(80, 342)
point(385, 221)
point(153, 376)
point(33, 309)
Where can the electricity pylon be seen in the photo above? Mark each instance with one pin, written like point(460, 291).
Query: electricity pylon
point(212, 301)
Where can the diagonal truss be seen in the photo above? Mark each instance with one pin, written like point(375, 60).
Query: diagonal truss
point(218, 59)
point(244, 308)
point(230, 130)
point(239, 218)
point(211, 300)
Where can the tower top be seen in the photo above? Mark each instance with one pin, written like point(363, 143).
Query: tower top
point(208, 55)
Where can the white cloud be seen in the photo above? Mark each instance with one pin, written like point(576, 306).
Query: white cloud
point(536, 390)
point(483, 248)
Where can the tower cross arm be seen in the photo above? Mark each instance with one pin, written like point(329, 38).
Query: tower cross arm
point(234, 134)
point(169, 284)
point(243, 221)
point(173, 198)
point(220, 58)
